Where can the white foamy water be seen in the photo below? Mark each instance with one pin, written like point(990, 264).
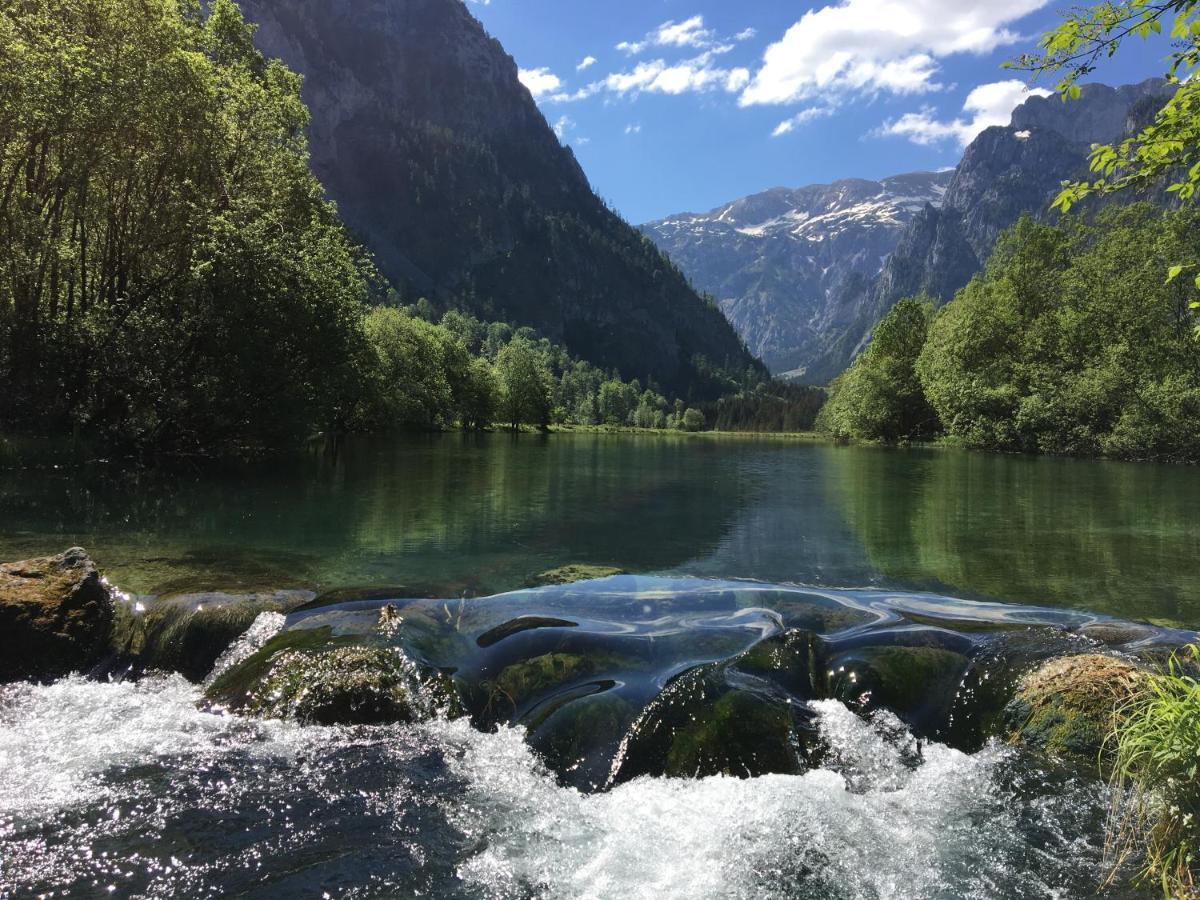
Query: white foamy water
point(335, 809)
point(877, 827)
point(55, 740)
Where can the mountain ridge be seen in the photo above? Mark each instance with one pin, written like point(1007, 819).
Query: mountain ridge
point(439, 159)
point(1004, 172)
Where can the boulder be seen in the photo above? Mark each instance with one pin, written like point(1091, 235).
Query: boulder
point(317, 679)
point(1068, 706)
point(56, 615)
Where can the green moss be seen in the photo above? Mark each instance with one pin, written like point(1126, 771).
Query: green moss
point(741, 734)
point(1067, 706)
point(572, 573)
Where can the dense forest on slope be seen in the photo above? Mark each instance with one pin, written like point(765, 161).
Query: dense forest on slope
point(1072, 341)
point(441, 163)
point(175, 278)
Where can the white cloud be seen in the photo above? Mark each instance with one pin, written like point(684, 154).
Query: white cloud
point(745, 34)
point(882, 45)
point(582, 141)
point(986, 105)
point(657, 76)
point(585, 63)
point(805, 115)
point(688, 33)
point(633, 128)
point(562, 126)
point(539, 81)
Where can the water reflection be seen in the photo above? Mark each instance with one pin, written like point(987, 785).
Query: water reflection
point(476, 515)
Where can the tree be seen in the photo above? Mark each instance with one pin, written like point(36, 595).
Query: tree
point(1071, 343)
point(411, 386)
point(880, 397)
point(524, 385)
point(161, 232)
point(1166, 152)
point(617, 401)
point(693, 420)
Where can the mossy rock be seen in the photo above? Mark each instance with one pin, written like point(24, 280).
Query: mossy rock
point(710, 721)
point(188, 632)
point(572, 573)
point(315, 678)
point(56, 616)
point(1067, 706)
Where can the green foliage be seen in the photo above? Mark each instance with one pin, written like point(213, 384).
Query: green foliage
point(172, 274)
point(1168, 148)
point(1156, 778)
point(524, 383)
point(768, 406)
point(1071, 342)
point(880, 397)
point(693, 420)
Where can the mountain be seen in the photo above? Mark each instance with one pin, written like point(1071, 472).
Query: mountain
point(812, 328)
point(778, 261)
point(440, 162)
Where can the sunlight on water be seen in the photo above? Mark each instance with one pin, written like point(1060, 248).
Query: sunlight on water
point(131, 786)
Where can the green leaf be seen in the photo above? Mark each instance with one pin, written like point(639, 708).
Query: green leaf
point(1173, 273)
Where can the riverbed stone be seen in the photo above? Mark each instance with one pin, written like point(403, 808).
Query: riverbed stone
point(315, 678)
point(570, 574)
point(186, 633)
point(1068, 706)
point(56, 615)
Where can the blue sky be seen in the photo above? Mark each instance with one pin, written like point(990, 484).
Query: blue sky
point(681, 105)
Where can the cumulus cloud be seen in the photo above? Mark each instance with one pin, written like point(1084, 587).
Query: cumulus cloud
point(659, 76)
point(585, 63)
point(881, 45)
point(633, 128)
point(539, 81)
point(688, 33)
point(986, 105)
point(805, 115)
point(745, 34)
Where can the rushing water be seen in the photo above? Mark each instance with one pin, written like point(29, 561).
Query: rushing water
point(130, 789)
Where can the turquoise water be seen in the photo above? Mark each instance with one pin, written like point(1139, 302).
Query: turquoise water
point(134, 789)
point(456, 515)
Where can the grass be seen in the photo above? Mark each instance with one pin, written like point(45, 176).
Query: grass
point(1156, 779)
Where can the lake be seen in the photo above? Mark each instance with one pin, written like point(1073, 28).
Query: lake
point(134, 789)
point(468, 515)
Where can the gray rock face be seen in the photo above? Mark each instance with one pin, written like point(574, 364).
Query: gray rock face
point(813, 327)
point(441, 163)
point(778, 262)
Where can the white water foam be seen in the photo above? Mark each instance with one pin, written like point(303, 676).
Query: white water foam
point(888, 819)
point(55, 740)
point(880, 828)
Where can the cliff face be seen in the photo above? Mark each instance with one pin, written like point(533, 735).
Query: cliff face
point(779, 262)
point(441, 163)
point(1004, 173)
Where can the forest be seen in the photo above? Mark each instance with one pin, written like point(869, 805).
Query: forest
point(1076, 340)
point(164, 237)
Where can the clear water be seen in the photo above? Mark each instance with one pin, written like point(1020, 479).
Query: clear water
point(129, 790)
point(462, 515)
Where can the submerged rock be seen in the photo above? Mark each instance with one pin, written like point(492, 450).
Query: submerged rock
point(571, 573)
point(186, 633)
point(317, 679)
point(56, 615)
point(1068, 705)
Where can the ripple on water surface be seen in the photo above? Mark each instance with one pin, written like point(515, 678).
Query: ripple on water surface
point(130, 790)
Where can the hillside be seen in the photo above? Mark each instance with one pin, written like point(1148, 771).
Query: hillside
point(441, 163)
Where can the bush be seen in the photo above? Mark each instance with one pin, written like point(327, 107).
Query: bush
point(880, 397)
